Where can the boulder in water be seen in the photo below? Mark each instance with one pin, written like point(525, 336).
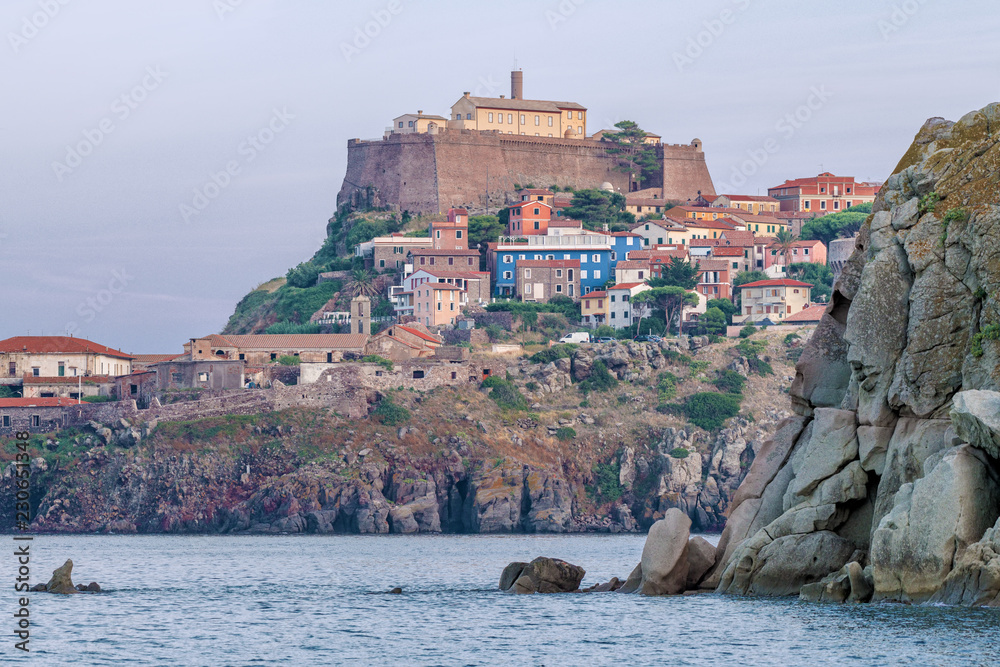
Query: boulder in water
point(61, 581)
point(542, 575)
point(665, 555)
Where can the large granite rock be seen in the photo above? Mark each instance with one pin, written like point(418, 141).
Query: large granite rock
point(542, 575)
point(976, 415)
point(665, 555)
point(932, 522)
point(975, 579)
point(62, 581)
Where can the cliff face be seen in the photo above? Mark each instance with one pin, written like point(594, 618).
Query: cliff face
point(892, 458)
point(430, 173)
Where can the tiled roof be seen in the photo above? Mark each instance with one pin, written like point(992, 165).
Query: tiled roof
point(443, 253)
point(548, 263)
point(443, 286)
point(58, 345)
point(631, 264)
point(781, 282)
point(797, 244)
point(770, 200)
point(523, 105)
point(84, 379)
point(536, 191)
point(713, 265)
point(715, 224)
point(658, 254)
point(566, 222)
point(599, 294)
point(813, 313)
point(645, 201)
point(628, 286)
point(419, 333)
point(727, 251)
point(467, 275)
point(702, 243)
point(529, 203)
point(739, 237)
point(626, 234)
point(154, 358)
point(50, 402)
point(271, 342)
point(798, 215)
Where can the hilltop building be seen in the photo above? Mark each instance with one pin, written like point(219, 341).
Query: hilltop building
point(824, 193)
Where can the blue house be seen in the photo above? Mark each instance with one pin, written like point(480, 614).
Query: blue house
point(592, 250)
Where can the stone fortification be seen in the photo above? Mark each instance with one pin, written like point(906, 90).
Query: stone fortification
point(430, 173)
point(886, 483)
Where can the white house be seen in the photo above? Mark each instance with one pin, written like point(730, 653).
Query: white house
point(620, 311)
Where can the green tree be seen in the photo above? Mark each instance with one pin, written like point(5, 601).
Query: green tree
point(713, 321)
point(671, 300)
point(484, 228)
point(725, 305)
point(635, 157)
point(783, 242)
point(599, 207)
point(836, 225)
point(820, 276)
point(677, 273)
point(303, 275)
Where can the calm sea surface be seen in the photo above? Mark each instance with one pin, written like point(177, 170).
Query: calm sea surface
point(320, 600)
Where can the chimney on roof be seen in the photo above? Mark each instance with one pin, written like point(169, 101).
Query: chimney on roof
point(517, 85)
point(466, 94)
point(420, 112)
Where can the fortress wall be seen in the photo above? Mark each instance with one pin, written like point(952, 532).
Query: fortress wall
point(430, 173)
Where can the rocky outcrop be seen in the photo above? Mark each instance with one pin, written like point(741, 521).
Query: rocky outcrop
point(61, 582)
point(665, 555)
point(542, 575)
point(887, 484)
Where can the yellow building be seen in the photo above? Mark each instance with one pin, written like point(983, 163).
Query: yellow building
point(418, 123)
point(594, 308)
point(762, 225)
point(774, 300)
point(60, 356)
point(752, 204)
point(537, 118)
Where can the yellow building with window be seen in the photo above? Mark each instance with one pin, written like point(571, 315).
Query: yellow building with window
point(516, 115)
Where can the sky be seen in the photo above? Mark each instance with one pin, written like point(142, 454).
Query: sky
point(159, 160)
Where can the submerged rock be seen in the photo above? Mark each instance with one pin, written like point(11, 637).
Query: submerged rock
point(61, 581)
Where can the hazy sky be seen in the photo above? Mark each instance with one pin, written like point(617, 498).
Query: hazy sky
point(115, 113)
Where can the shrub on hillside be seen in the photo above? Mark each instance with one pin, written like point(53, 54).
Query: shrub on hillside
point(709, 410)
point(607, 486)
point(289, 360)
point(747, 331)
point(729, 382)
point(505, 393)
point(565, 433)
point(391, 414)
point(600, 379)
point(563, 351)
point(376, 359)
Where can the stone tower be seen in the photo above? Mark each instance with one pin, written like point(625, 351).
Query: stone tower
point(361, 315)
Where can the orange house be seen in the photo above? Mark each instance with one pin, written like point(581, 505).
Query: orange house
point(529, 218)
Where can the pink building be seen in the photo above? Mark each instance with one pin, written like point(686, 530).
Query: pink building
point(813, 252)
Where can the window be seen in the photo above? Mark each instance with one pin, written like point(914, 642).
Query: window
point(423, 260)
point(822, 205)
point(579, 129)
point(550, 123)
point(6, 420)
point(806, 204)
point(848, 189)
point(510, 118)
point(614, 255)
point(506, 275)
point(468, 116)
point(579, 115)
point(583, 275)
point(176, 378)
point(458, 116)
point(527, 273)
point(437, 234)
point(822, 189)
point(35, 371)
point(569, 114)
point(836, 205)
point(520, 256)
point(36, 420)
point(736, 265)
point(805, 251)
point(569, 275)
point(507, 259)
point(538, 120)
point(12, 369)
point(458, 233)
point(527, 288)
point(641, 274)
point(439, 304)
point(451, 261)
point(597, 274)
point(401, 123)
point(432, 261)
point(381, 264)
point(491, 116)
point(596, 258)
point(624, 298)
point(583, 259)
point(522, 119)
point(273, 356)
point(537, 211)
point(536, 224)
point(558, 273)
point(600, 303)
point(417, 375)
point(500, 118)
point(202, 377)
point(612, 312)
point(558, 288)
point(411, 123)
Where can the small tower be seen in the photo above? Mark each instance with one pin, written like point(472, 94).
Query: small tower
point(361, 315)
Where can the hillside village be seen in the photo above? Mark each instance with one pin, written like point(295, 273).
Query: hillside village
point(565, 305)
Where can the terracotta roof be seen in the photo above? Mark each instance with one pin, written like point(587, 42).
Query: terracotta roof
point(781, 282)
point(626, 234)
point(523, 105)
point(85, 379)
point(443, 253)
point(154, 358)
point(419, 333)
point(715, 224)
point(660, 253)
point(50, 402)
point(702, 243)
point(536, 191)
point(713, 265)
point(628, 286)
point(599, 294)
point(797, 244)
point(770, 200)
point(631, 264)
point(812, 313)
point(548, 263)
point(566, 222)
point(709, 198)
point(522, 204)
point(271, 342)
point(727, 251)
point(58, 345)
point(739, 237)
point(458, 211)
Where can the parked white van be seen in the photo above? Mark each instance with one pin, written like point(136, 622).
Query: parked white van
point(577, 337)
